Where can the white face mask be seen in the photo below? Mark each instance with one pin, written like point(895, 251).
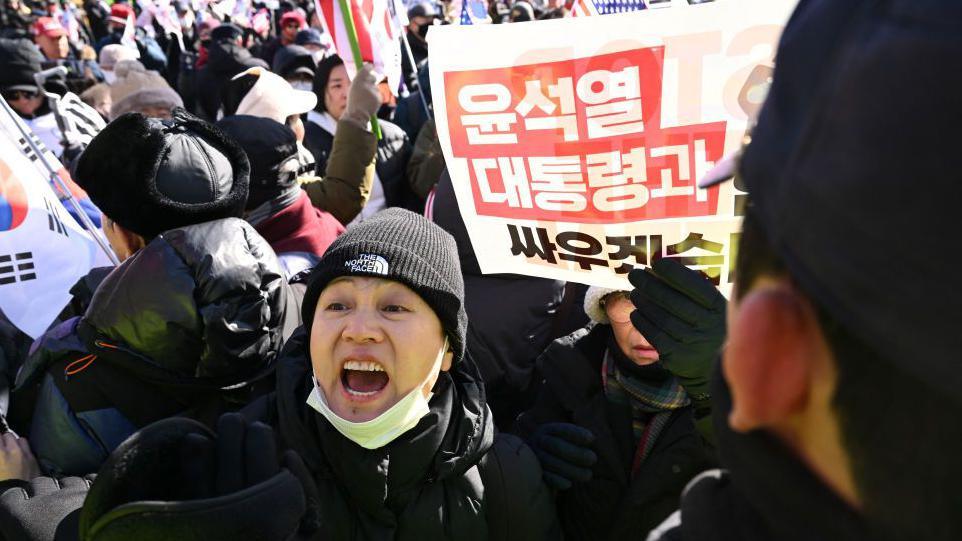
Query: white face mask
point(387, 426)
point(302, 85)
point(109, 76)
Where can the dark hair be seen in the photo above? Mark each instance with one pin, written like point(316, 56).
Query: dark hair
point(903, 438)
point(321, 75)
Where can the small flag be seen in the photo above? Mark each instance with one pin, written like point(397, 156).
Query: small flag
point(42, 254)
point(376, 35)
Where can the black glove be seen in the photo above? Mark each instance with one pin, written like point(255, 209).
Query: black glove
point(176, 480)
point(564, 451)
point(682, 314)
point(42, 509)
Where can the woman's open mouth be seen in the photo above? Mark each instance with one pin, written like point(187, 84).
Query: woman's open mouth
point(363, 380)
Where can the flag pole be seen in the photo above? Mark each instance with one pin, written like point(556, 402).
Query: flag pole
point(57, 181)
point(414, 66)
point(348, 17)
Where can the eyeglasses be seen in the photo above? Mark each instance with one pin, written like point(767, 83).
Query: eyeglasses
point(14, 95)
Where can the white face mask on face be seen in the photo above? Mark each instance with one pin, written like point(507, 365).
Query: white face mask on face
point(387, 426)
point(109, 76)
point(302, 85)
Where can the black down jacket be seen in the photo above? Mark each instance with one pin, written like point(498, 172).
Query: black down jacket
point(614, 504)
point(511, 317)
point(449, 477)
point(187, 325)
point(225, 59)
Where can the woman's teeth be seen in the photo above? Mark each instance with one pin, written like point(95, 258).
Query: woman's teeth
point(368, 366)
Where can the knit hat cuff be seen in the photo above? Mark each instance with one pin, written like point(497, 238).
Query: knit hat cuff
point(151, 97)
point(593, 308)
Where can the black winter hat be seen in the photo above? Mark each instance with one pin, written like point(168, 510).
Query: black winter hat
point(151, 175)
point(19, 61)
point(271, 149)
point(851, 176)
point(227, 31)
point(293, 59)
point(399, 245)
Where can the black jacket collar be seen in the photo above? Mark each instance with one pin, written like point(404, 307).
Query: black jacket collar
point(766, 494)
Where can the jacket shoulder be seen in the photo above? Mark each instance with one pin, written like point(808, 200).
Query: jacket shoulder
point(569, 360)
point(518, 504)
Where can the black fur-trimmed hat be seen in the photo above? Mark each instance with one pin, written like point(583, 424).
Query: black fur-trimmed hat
point(151, 175)
point(398, 245)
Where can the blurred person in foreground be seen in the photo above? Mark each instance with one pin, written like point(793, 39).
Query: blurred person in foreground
point(835, 407)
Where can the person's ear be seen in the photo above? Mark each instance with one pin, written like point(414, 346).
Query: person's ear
point(773, 349)
point(130, 242)
point(447, 360)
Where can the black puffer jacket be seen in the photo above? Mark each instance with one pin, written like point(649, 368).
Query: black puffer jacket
point(225, 59)
point(511, 317)
point(613, 504)
point(449, 477)
point(185, 325)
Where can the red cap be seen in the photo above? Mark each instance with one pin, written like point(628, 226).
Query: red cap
point(120, 12)
point(294, 15)
point(48, 26)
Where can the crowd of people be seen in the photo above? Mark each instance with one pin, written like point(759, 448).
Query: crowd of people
point(299, 343)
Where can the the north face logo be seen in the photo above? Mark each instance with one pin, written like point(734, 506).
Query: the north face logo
point(370, 263)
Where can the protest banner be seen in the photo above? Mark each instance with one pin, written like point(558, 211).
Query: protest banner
point(43, 250)
point(575, 144)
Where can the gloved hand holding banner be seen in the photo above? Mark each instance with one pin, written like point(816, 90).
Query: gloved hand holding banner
point(575, 144)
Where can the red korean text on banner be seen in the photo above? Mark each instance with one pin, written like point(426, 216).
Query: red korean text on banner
point(579, 141)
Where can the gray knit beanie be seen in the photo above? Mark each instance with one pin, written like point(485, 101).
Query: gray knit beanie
point(399, 245)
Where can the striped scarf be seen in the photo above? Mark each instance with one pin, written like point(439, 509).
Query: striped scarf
point(651, 404)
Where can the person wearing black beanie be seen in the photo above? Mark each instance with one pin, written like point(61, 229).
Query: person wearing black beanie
point(377, 398)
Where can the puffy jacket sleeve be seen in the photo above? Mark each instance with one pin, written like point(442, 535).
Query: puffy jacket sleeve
point(346, 186)
point(518, 505)
point(427, 161)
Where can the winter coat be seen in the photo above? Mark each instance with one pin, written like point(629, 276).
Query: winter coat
point(613, 504)
point(225, 59)
point(337, 192)
point(511, 317)
point(410, 114)
point(199, 310)
point(393, 153)
point(449, 477)
point(765, 493)
point(299, 234)
point(427, 161)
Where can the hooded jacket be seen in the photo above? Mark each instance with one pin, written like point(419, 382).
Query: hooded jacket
point(449, 477)
point(188, 324)
point(614, 504)
point(225, 59)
